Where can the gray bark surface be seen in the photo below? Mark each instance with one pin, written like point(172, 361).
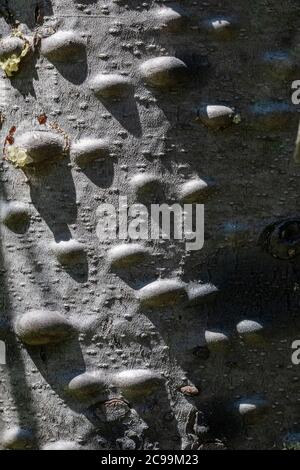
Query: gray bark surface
point(90, 363)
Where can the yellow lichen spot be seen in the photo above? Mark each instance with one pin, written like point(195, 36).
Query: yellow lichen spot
point(11, 64)
point(18, 156)
point(17, 33)
point(25, 50)
point(237, 119)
